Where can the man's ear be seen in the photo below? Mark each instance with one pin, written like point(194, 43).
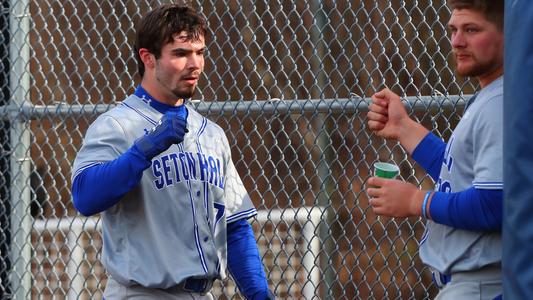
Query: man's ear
point(147, 58)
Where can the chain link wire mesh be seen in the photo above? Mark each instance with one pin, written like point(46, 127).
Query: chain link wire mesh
point(288, 80)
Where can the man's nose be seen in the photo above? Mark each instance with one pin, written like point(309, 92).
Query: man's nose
point(195, 61)
point(457, 39)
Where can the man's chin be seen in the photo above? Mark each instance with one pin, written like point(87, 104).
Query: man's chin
point(472, 70)
point(467, 72)
point(184, 94)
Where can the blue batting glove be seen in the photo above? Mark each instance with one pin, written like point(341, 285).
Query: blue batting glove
point(170, 130)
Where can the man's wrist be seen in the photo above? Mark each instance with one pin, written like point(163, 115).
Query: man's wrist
point(145, 147)
point(411, 134)
point(417, 202)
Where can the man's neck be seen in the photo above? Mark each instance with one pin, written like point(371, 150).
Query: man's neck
point(155, 92)
point(486, 79)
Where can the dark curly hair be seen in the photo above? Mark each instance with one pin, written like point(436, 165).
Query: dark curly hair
point(158, 27)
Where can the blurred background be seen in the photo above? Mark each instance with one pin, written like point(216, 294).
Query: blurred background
point(290, 83)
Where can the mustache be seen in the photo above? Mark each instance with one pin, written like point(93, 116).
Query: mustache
point(191, 76)
point(461, 53)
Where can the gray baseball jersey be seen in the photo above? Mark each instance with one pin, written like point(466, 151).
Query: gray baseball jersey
point(473, 157)
point(172, 225)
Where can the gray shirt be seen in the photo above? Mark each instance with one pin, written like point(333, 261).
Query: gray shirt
point(473, 157)
point(172, 225)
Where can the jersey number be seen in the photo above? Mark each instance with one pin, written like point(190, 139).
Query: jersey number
point(219, 213)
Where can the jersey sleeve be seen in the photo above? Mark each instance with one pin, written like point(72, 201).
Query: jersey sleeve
point(488, 146)
point(238, 202)
point(104, 141)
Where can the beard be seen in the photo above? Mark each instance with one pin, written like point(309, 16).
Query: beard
point(172, 84)
point(184, 93)
point(475, 68)
point(181, 91)
point(472, 71)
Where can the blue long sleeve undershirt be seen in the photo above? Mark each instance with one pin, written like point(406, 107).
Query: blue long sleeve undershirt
point(244, 262)
point(100, 187)
point(429, 154)
point(471, 209)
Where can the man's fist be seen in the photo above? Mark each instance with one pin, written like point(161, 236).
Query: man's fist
point(170, 130)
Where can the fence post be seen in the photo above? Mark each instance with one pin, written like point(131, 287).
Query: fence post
point(310, 260)
point(5, 182)
point(21, 220)
point(76, 257)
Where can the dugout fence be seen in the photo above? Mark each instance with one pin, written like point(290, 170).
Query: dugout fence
point(290, 83)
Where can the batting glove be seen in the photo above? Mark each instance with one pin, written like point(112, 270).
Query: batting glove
point(170, 130)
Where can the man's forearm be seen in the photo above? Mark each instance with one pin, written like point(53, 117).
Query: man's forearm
point(244, 261)
point(410, 135)
point(429, 153)
point(101, 186)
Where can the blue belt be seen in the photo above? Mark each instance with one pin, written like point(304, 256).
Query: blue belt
point(195, 285)
point(440, 279)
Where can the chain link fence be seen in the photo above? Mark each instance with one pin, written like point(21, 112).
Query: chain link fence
point(288, 80)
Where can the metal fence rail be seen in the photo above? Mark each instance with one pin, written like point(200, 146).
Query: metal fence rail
point(290, 83)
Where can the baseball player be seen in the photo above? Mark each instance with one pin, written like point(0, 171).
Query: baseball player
point(174, 209)
point(462, 241)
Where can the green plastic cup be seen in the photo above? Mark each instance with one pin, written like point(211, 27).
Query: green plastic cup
point(386, 170)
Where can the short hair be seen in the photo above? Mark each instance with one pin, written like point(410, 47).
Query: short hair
point(493, 10)
point(159, 26)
